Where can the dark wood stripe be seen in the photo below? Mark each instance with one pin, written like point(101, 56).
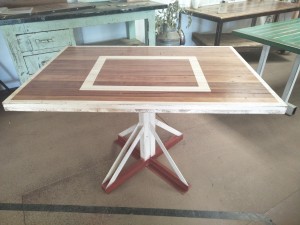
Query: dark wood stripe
point(229, 79)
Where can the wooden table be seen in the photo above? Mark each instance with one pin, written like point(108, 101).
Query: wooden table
point(282, 35)
point(250, 9)
point(33, 39)
point(146, 81)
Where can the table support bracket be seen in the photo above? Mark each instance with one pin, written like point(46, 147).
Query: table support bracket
point(263, 59)
point(146, 154)
point(290, 84)
point(292, 80)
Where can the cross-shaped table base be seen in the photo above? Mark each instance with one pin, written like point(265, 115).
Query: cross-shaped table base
point(147, 154)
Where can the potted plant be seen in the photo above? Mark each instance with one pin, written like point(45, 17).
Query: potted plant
point(168, 30)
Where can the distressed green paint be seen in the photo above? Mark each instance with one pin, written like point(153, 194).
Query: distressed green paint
point(34, 62)
point(15, 53)
point(44, 40)
point(32, 44)
point(284, 35)
point(130, 26)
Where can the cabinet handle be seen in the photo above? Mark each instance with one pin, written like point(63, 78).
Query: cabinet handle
point(44, 40)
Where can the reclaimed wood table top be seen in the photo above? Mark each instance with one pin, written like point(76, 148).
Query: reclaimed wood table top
point(147, 79)
point(284, 35)
point(244, 10)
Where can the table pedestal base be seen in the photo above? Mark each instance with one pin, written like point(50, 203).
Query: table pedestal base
point(146, 155)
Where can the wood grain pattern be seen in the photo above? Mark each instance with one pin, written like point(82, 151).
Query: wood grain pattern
point(242, 10)
point(146, 73)
point(228, 39)
point(283, 35)
point(235, 87)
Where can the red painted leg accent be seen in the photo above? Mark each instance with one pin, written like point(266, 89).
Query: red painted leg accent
point(125, 175)
point(152, 164)
point(168, 144)
point(167, 175)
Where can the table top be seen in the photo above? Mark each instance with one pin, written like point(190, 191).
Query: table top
point(147, 79)
point(243, 10)
point(284, 35)
point(57, 11)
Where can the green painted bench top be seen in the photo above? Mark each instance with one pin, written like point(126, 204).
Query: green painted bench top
point(284, 35)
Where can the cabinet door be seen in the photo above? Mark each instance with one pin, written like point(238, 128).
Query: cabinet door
point(44, 40)
point(35, 62)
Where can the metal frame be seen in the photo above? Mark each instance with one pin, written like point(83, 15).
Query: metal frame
point(291, 81)
point(263, 59)
point(4, 85)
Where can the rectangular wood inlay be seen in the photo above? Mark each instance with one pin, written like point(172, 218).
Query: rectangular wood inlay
point(146, 73)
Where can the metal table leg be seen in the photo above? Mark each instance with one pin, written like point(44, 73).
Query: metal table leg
point(290, 84)
point(218, 33)
point(263, 59)
point(4, 85)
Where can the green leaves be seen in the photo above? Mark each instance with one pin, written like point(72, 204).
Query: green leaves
point(170, 17)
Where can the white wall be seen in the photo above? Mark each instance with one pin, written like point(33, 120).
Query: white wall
point(104, 32)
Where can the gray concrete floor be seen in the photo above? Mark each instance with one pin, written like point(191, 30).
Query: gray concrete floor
point(234, 163)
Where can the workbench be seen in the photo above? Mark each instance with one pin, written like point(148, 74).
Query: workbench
point(33, 39)
point(251, 9)
point(283, 35)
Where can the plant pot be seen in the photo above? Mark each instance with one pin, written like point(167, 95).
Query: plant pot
point(168, 37)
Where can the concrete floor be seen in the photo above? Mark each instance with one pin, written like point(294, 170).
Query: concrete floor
point(234, 163)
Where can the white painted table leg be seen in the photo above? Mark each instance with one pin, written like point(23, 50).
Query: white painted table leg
point(167, 128)
point(147, 143)
point(144, 132)
point(126, 157)
point(263, 60)
point(169, 158)
point(128, 130)
point(122, 153)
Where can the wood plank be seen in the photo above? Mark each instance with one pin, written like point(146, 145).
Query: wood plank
point(119, 42)
point(240, 44)
point(233, 83)
point(243, 10)
point(284, 35)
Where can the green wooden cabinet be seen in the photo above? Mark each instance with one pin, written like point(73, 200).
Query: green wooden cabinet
point(36, 40)
point(30, 50)
point(35, 62)
point(44, 40)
